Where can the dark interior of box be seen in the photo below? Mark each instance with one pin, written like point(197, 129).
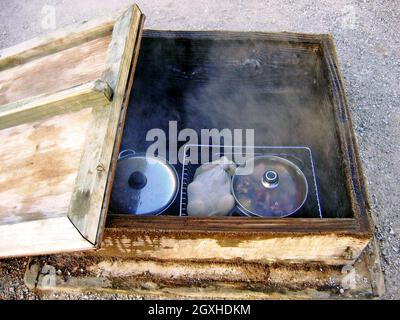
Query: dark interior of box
point(204, 81)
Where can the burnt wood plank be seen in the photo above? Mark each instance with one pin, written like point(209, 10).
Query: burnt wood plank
point(181, 245)
point(234, 224)
point(355, 181)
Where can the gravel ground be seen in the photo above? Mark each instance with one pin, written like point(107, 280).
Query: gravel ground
point(368, 43)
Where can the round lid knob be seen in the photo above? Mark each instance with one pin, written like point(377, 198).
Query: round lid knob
point(270, 179)
point(137, 180)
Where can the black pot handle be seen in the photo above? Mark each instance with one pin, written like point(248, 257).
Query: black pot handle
point(126, 154)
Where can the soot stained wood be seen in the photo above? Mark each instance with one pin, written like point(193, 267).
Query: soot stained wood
point(271, 83)
point(189, 61)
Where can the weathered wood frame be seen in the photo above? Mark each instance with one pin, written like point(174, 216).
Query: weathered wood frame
point(332, 241)
point(206, 279)
point(78, 230)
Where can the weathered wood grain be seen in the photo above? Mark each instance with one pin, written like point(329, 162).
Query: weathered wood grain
point(183, 279)
point(234, 224)
point(58, 120)
point(331, 241)
point(89, 168)
point(55, 72)
point(118, 140)
point(329, 248)
point(88, 195)
point(58, 40)
point(162, 238)
point(355, 182)
point(51, 235)
point(94, 93)
point(39, 162)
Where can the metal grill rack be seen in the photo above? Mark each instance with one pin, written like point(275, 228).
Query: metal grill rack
point(301, 156)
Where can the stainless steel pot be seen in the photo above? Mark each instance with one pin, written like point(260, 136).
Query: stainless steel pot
point(269, 186)
point(143, 185)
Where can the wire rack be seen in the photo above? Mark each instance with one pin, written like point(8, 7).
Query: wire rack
point(301, 156)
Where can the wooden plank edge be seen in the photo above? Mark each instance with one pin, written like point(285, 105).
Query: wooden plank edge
point(329, 248)
point(372, 263)
point(347, 137)
point(157, 275)
point(36, 237)
point(113, 166)
point(87, 198)
point(176, 279)
point(58, 40)
point(219, 291)
point(284, 36)
point(237, 225)
point(47, 105)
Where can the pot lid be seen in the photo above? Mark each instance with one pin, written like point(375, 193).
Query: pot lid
point(269, 186)
point(143, 185)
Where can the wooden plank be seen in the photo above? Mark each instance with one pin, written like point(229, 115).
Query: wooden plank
point(87, 200)
point(58, 121)
point(55, 72)
point(39, 162)
point(58, 40)
point(118, 140)
point(89, 167)
point(355, 182)
point(121, 50)
point(235, 224)
point(331, 241)
point(36, 237)
point(270, 247)
point(94, 93)
point(287, 37)
point(155, 278)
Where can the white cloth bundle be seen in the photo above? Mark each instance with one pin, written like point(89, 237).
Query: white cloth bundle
point(210, 192)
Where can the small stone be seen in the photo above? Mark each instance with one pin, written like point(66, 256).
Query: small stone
point(341, 291)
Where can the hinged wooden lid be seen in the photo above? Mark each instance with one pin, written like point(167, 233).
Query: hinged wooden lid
point(62, 98)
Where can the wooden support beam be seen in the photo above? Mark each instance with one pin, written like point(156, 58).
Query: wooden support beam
point(83, 96)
